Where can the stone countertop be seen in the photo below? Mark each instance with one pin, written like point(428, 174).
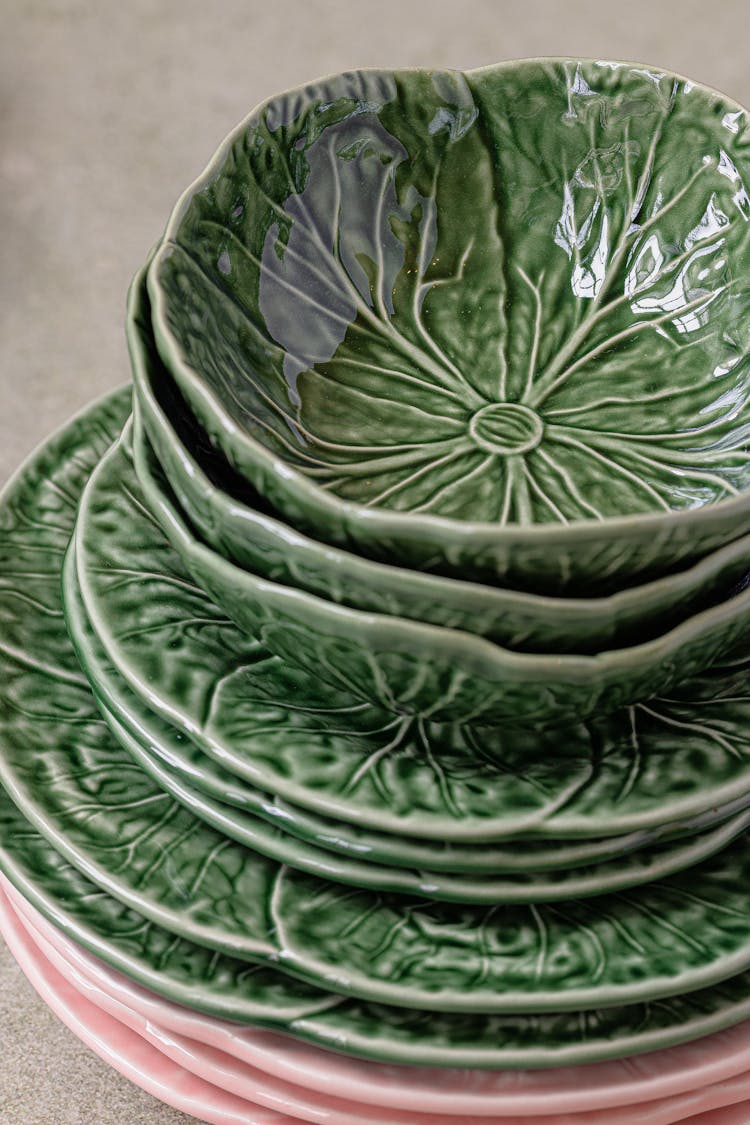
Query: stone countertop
point(107, 111)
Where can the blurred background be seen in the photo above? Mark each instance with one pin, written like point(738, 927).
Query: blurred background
point(108, 110)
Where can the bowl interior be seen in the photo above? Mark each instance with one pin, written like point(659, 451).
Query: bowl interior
point(236, 520)
point(515, 295)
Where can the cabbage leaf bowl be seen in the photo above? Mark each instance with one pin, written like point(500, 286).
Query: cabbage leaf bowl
point(492, 324)
point(232, 519)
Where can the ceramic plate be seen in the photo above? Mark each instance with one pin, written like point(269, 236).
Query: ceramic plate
point(106, 816)
point(620, 874)
point(154, 745)
point(468, 1093)
point(180, 757)
point(78, 787)
point(237, 1077)
point(48, 708)
point(185, 767)
point(240, 525)
point(586, 219)
point(280, 729)
point(223, 987)
point(410, 668)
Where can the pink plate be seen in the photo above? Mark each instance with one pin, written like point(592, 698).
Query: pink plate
point(477, 1093)
point(127, 1052)
point(227, 1076)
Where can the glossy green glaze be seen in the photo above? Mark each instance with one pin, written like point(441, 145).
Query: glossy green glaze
point(228, 988)
point(233, 806)
point(201, 785)
point(492, 323)
point(191, 776)
point(234, 520)
point(103, 814)
point(37, 507)
point(276, 726)
point(622, 873)
point(47, 715)
point(74, 784)
point(410, 668)
point(107, 817)
point(631, 870)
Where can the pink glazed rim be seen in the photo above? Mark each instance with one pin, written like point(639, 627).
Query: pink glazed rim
point(658, 1074)
point(122, 1048)
point(673, 1070)
point(217, 1064)
point(148, 1068)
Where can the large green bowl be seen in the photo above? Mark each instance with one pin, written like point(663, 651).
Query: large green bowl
point(234, 520)
point(412, 668)
point(493, 324)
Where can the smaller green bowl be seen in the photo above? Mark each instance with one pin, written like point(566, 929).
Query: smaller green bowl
point(493, 324)
point(233, 520)
point(443, 675)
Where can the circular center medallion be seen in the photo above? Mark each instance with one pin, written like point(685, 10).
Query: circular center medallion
point(507, 428)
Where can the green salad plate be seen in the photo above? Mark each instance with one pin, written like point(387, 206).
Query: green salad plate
point(237, 522)
point(231, 989)
point(200, 786)
point(277, 727)
point(493, 324)
point(106, 816)
point(192, 776)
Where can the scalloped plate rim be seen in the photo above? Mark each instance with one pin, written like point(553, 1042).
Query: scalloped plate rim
point(336, 809)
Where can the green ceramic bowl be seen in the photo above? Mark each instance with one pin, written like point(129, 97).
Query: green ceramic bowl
point(233, 520)
point(494, 324)
point(444, 675)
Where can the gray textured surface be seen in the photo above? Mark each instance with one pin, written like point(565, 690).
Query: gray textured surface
point(107, 110)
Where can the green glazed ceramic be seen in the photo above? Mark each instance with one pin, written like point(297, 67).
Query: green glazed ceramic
point(627, 871)
point(644, 767)
point(48, 712)
point(410, 668)
point(74, 784)
point(228, 988)
point(106, 816)
point(223, 800)
point(122, 831)
point(170, 761)
point(491, 323)
point(235, 521)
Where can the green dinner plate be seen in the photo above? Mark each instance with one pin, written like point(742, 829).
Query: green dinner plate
point(234, 520)
point(73, 782)
point(230, 989)
point(557, 886)
point(281, 730)
point(172, 763)
point(48, 711)
point(411, 668)
point(491, 323)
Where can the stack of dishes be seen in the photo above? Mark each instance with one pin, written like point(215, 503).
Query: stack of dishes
point(375, 738)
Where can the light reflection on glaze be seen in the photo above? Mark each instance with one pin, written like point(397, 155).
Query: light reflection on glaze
point(570, 237)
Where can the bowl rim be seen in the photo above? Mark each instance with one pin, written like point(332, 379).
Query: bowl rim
point(477, 652)
point(387, 522)
point(104, 625)
point(612, 604)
